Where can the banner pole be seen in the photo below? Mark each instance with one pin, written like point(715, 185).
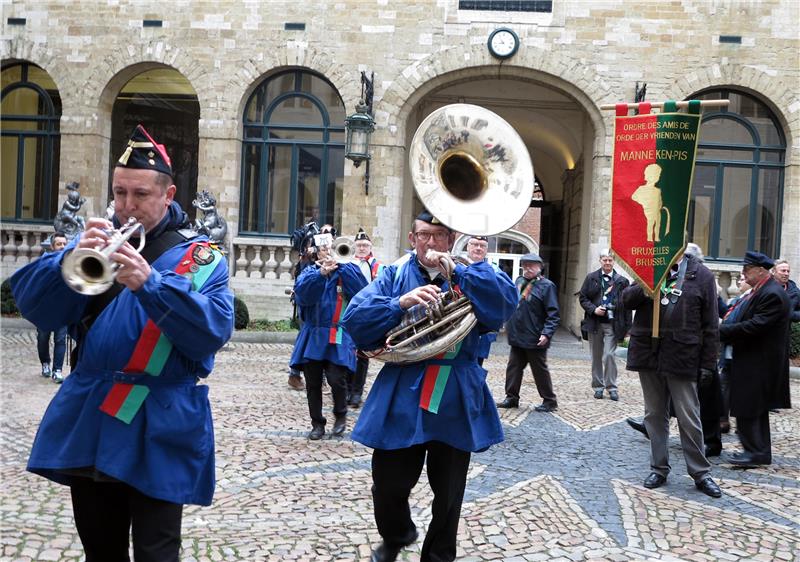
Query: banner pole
point(656, 318)
point(660, 104)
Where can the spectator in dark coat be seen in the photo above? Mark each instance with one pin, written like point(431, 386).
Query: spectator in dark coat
point(530, 330)
point(759, 363)
point(781, 273)
point(605, 322)
point(669, 370)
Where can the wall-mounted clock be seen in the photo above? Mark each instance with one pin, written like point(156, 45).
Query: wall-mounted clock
point(503, 43)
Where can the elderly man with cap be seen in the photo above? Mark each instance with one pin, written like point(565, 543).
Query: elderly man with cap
point(436, 411)
point(370, 268)
point(477, 246)
point(757, 336)
point(130, 429)
point(530, 331)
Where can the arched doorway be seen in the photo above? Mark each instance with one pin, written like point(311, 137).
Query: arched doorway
point(165, 102)
point(30, 113)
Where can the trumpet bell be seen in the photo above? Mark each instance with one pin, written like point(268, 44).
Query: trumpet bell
point(471, 169)
point(87, 271)
point(343, 249)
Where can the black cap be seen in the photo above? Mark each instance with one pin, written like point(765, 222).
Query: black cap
point(426, 216)
point(479, 238)
point(361, 235)
point(759, 259)
point(531, 258)
point(144, 153)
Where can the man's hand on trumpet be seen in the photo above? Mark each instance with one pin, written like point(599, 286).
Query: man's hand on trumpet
point(134, 269)
point(327, 266)
point(96, 235)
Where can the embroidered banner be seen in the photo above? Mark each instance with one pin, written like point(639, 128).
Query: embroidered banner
point(652, 173)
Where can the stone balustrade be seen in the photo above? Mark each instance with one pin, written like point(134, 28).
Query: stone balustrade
point(262, 258)
point(20, 244)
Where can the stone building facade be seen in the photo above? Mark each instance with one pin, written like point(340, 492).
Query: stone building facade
point(573, 57)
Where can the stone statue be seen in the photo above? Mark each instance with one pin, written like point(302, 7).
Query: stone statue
point(67, 219)
point(212, 224)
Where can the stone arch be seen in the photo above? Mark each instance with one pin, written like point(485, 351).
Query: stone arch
point(21, 50)
point(116, 69)
point(546, 67)
point(252, 72)
point(773, 92)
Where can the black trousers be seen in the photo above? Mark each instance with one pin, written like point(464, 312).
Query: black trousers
point(357, 380)
point(396, 472)
point(710, 398)
point(336, 376)
point(755, 436)
point(518, 359)
point(105, 513)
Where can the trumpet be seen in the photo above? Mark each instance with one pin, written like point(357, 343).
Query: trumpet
point(343, 249)
point(89, 271)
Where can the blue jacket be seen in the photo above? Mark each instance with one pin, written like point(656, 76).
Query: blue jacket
point(316, 295)
point(167, 450)
point(392, 417)
point(535, 316)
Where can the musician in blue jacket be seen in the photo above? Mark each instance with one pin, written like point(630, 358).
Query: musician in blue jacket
point(322, 346)
point(440, 408)
point(130, 429)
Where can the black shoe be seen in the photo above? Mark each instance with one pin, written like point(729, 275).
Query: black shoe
point(655, 480)
point(388, 552)
point(724, 427)
point(317, 432)
point(748, 460)
point(544, 407)
point(598, 394)
point(713, 450)
point(355, 401)
point(339, 426)
point(638, 426)
point(614, 395)
point(708, 487)
point(508, 403)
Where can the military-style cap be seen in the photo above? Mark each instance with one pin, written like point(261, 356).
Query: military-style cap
point(144, 153)
point(361, 235)
point(759, 259)
point(426, 216)
point(531, 258)
point(484, 238)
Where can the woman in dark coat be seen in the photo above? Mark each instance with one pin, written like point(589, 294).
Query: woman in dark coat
point(759, 361)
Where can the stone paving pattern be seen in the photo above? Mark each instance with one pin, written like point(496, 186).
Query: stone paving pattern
point(563, 486)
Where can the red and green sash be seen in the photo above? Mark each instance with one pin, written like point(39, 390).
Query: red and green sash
point(153, 348)
point(375, 268)
point(435, 380)
point(335, 336)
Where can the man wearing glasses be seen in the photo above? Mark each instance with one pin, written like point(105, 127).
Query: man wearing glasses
point(441, 408)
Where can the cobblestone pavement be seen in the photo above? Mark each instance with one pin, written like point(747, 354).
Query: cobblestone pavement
point(563, 486)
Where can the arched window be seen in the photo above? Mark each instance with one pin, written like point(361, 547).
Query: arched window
point(165, 102)
point(30, 114)
point(737, 194)
point(292, 154)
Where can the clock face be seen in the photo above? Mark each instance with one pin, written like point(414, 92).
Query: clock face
point(503, 43)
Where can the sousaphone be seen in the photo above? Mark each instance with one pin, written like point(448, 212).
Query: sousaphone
point(472, 171)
